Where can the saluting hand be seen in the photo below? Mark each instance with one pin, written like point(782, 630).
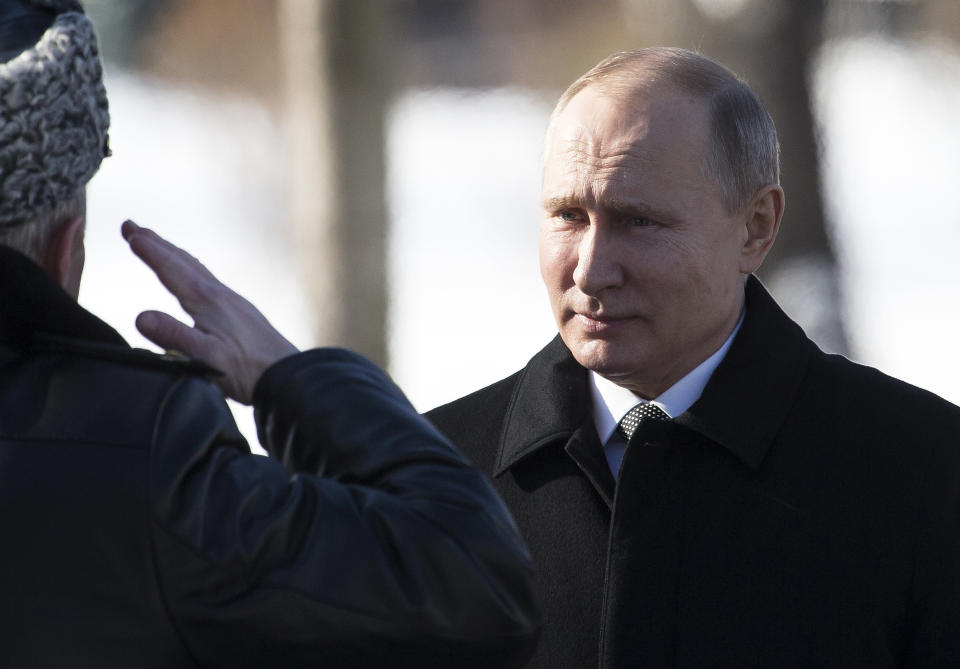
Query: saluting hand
point(228, 333)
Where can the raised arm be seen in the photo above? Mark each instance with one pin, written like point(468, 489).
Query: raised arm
point(365, 540)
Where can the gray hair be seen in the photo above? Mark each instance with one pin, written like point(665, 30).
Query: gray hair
point(744, 155)
point(32, 238)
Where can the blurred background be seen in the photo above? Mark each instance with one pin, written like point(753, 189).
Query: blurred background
point(367, 171)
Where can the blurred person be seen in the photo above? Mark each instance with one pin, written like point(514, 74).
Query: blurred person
point(138, 529)
point(699, 484)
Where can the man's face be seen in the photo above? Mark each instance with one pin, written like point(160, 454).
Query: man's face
point(641, 260)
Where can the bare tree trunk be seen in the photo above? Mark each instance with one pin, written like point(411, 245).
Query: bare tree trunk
point(337, 83)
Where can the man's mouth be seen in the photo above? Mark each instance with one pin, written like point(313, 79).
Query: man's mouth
point(598, 324)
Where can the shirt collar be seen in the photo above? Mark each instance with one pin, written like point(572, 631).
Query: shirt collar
point(612, 402)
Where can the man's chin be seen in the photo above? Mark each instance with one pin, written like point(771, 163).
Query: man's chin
point(603, 357)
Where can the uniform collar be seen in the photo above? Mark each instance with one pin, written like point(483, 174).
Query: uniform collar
point(758, 378)
point(33, 307)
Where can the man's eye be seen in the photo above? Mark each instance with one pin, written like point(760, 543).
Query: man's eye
point(640, 222)
point(568, 216)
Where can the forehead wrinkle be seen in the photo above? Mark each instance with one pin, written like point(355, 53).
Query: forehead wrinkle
point(640, 161)
point(585, 169)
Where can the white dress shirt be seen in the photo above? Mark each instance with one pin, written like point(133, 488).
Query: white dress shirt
point(612, 402)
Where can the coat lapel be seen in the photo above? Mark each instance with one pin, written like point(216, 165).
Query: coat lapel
point(550, 407)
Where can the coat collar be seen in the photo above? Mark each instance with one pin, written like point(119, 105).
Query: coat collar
point(550, 401)
point(759, 378)
point(749, 395)
point(33, 308)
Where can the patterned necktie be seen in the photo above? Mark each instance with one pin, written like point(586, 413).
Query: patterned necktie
point(641, 412)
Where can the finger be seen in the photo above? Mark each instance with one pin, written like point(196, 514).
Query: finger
point(128, 227)
point(170, 334)
point(176, 268)
point(180, 273)
point(147, 239)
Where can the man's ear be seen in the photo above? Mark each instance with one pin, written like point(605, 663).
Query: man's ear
point(762, 222)
point(64, 257)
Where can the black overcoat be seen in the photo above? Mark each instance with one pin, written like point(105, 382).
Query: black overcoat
point(804, 512)
point(139, 532)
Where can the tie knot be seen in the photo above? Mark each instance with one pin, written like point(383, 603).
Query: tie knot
point(638, 414)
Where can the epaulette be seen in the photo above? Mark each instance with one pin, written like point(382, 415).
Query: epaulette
point(140, 357)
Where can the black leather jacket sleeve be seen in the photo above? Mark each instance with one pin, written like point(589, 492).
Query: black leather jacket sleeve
point(366, 540)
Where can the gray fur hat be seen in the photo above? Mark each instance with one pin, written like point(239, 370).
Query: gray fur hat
point(53, 116)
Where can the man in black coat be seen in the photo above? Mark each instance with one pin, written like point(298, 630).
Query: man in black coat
point(699, 484)
point(138, 529)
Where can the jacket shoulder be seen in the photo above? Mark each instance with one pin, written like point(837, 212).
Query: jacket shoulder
point(171, 361)
point(474, 422)
point(864, 390)
point(105, 393)
point(482, 402)
point(897, 426)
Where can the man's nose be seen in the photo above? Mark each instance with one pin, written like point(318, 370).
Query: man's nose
point(598, 262)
